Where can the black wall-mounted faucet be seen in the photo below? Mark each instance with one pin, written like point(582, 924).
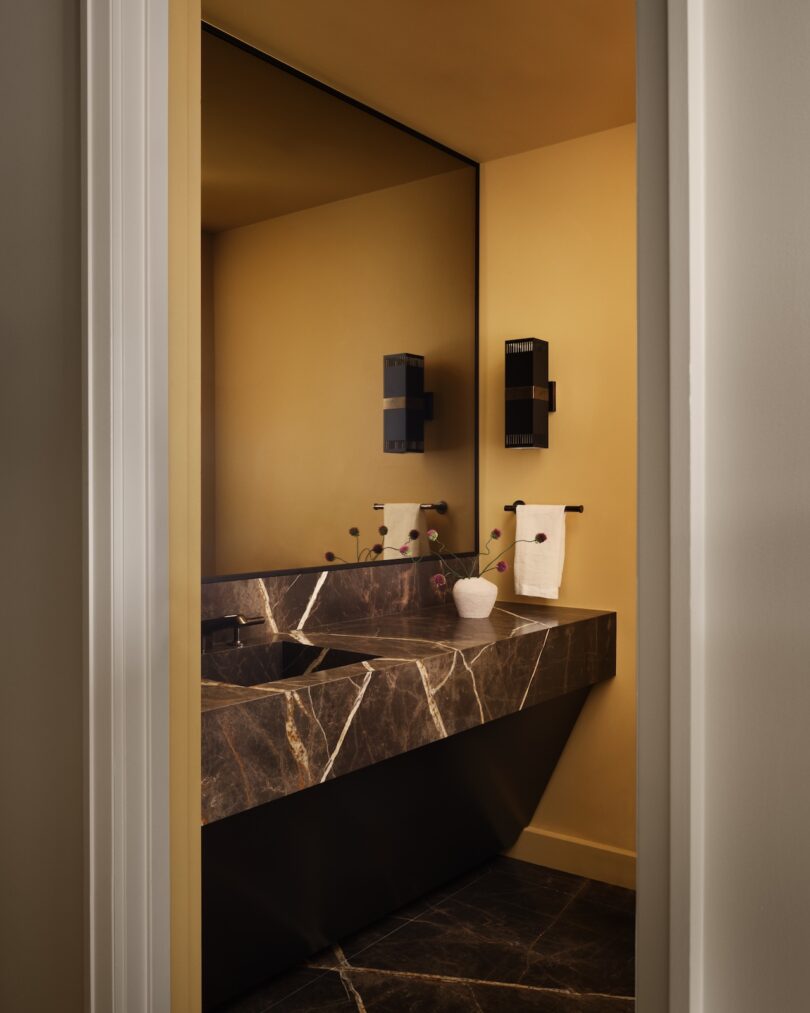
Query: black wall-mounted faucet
point(235, 623)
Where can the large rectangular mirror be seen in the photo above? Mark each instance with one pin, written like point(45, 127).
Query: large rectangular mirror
point(332, 239)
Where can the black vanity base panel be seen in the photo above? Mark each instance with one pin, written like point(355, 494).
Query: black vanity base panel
point(284, 880)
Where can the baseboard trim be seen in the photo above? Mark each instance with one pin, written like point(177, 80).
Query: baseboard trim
point(581, 857)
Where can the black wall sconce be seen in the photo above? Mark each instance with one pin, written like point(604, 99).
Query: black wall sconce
point(530, 395)
point(406, 404)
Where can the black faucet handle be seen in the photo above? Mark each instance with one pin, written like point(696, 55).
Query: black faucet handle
point(244, 621)
point(233, 622)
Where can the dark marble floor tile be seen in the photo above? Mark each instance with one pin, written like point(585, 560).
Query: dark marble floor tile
point(612, 897)
point(590, 947)
point(458, 941)
point(515, 924)
point(352, 989)
point(394, 993)
point(506, 883)
point(508, 937)
point(358, 942)
point(287, 986)
point(298, 989)
point(327, 994)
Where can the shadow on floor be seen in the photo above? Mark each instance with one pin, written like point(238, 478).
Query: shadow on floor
point(508, 937)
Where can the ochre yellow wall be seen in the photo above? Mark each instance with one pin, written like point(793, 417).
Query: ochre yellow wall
point(184, 500)
point(558, 262)
point(305, 306)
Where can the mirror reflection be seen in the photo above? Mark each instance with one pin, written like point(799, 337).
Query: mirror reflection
point(332, 241)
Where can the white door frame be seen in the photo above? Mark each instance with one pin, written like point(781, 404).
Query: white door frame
point(671, 506)
point(125, 143)
point(687, 439)
point(125, 50)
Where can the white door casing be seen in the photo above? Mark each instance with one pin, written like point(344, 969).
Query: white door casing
point(125, 143)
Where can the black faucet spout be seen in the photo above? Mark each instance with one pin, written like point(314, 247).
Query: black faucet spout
point(235, 623)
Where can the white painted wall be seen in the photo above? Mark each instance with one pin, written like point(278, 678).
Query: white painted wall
point(757, 748)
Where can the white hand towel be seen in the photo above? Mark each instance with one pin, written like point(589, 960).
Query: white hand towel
point(401, 519)
point(539, 567)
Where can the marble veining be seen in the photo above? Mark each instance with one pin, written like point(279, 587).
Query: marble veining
point(308, 600)
point(425, 675)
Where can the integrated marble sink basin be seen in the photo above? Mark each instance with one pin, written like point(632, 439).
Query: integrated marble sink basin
point(278, 719)
point(273, 660)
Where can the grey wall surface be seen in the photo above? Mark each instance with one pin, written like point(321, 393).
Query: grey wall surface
point(652, 867)
point(41, 855)
point(757, 917)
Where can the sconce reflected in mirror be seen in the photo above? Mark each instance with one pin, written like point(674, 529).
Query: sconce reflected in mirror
point(406, 404)
point(530, 395)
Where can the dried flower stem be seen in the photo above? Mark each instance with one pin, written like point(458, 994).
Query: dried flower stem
point(493, 563)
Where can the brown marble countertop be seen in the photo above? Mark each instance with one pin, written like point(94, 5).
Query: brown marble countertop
point(426, 675)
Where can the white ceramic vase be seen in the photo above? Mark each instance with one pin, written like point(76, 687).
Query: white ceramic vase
point(474, 597)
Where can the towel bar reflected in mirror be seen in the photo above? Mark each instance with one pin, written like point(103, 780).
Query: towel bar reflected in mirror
point(440, 507)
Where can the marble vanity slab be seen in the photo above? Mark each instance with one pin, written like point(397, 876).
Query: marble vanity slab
point(432, 675)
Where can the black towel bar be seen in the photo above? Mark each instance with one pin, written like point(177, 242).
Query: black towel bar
point(512, 507)
point(440, 507)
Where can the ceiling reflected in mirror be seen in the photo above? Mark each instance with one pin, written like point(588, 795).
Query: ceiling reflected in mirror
point(273, 144)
